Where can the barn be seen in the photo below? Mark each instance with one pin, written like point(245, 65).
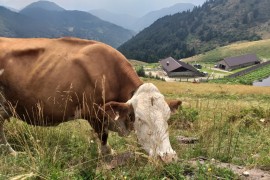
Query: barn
point(232, 63)
point(175, 68)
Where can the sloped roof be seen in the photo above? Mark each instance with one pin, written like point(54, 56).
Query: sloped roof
point(235, 61)
point(170, 64)
point(188, 66)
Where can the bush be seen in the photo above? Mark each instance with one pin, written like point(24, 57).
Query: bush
point(140, 71)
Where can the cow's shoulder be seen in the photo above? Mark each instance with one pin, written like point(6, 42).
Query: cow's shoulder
point(76, 41)
point(83, 49)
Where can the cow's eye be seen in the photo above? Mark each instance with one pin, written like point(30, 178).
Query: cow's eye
point(131, 117)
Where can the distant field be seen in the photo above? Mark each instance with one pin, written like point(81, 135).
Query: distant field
point(261, 48)
point(136, 63)
point(247, 79)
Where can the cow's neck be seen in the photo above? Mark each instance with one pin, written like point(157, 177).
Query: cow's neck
point(130, 83)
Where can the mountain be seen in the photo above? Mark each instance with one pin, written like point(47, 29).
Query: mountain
point(151, 17)
point(216, 23)
point(11, 9)
point(45, 5)
point(123, 20)
point(137, 24)
point(47, 19)
point(13, 24)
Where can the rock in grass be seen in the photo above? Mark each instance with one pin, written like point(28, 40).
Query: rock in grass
point(187, 140)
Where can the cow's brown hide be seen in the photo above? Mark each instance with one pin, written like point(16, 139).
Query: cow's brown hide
point(48, 81)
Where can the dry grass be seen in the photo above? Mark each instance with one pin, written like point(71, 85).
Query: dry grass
point(201, 89)
point(136, 63)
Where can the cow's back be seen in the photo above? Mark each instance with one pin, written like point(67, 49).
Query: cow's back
point(58, 77)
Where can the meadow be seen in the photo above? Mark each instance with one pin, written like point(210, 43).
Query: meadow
point(248, 79)
point(230, 122)
point(260, 48)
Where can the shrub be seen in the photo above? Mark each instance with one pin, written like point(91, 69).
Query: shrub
point(140, 71)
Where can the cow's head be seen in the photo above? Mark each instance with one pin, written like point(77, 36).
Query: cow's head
point(151, 114)
point(120, 117)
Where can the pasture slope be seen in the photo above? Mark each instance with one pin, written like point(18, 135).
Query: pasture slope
point(261, 48)
point(231, 123)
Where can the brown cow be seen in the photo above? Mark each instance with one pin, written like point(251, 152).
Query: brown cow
point(49, 81)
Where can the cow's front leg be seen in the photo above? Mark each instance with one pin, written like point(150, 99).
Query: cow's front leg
point(105, 147)
point(101, 128)
point(5, 146)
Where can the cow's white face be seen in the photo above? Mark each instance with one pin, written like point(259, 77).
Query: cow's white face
point(151, 127)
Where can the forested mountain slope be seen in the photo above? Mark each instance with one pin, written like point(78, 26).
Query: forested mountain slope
point(216, 23)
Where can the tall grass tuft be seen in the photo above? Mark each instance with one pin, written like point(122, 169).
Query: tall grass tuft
point(50, 153)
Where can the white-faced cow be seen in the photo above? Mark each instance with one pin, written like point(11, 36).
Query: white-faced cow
point(46, 82)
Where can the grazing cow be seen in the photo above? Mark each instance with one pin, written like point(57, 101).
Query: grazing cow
point(46, 82)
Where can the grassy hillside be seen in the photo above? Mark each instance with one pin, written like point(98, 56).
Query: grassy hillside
point(261, 48)
point(232, 123)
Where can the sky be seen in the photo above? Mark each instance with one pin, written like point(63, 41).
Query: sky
point(132, 7)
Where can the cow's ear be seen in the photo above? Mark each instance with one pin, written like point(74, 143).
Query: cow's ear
point(116, 110)
point(174, 104)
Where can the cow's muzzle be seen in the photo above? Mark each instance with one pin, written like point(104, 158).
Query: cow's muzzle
point(169, 158)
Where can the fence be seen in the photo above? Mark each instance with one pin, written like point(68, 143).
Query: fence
point(192, 79)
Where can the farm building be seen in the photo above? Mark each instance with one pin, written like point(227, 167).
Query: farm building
point(232, 63)
point(175, 68)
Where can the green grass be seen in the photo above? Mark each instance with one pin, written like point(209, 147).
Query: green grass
point(247, 79)
point(261, 48)
point(50, 153)
point(232, 123)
